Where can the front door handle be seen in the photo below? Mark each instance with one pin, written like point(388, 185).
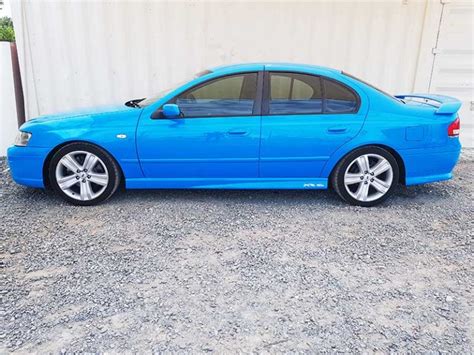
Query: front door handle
point(337, 130)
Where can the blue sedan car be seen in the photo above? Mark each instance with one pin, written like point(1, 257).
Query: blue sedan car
point(249, 126)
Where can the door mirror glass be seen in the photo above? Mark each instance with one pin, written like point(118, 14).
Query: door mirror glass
point(171, 111)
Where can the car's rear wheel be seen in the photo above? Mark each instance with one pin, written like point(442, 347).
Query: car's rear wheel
point(83, 174)
point(366, 176)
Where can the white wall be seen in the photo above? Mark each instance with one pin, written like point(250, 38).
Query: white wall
point(453, 67)
point(5, 10)
point(76, 54)
point(8, 119)
point(86, 53)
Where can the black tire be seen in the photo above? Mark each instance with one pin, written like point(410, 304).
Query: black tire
point(337, 177)
point(113, 172)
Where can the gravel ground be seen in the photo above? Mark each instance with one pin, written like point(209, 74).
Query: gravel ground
point(250, 271)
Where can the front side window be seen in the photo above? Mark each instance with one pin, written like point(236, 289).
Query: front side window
point(293, 93)
point(232, 95)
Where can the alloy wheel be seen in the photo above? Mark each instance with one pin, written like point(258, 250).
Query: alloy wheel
point(82, 175)
point(368, 177)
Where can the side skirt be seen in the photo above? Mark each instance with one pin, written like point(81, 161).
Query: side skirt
point(222, 183)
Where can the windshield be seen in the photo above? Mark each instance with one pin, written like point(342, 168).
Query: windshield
point(154, 98)
point(373, 87)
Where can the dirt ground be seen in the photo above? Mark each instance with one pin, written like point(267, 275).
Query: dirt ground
point(248, 271)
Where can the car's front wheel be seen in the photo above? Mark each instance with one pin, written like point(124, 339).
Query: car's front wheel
point(83, 174)
point(366, 176)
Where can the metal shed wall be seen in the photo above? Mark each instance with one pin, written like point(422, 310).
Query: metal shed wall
point(97, 52)
point(86, 53)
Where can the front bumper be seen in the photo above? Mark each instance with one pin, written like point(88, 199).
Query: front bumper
point(26, 165)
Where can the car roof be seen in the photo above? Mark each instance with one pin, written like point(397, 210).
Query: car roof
point(272, 66)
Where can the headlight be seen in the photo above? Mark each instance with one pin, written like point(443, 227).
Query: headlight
point(22, 139)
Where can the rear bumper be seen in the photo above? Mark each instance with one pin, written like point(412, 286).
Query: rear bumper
point(26, 165)
point(429, 165)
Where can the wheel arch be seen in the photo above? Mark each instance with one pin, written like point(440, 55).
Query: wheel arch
point(396, 155)
point(47, 161)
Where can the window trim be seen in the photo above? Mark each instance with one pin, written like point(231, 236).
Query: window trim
point(256, 110)
point(266, 95)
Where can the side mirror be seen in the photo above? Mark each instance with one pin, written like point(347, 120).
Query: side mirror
point(171, 111)
point(167, 111)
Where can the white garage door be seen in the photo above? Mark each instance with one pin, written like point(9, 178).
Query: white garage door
point(453, 72)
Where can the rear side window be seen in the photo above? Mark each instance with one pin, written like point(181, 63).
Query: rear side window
point(338, 98)
point(293, 93)
point(232, 95)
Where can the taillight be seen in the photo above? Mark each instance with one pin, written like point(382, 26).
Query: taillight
point(454, 127)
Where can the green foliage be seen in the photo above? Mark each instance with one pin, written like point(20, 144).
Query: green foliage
point(6, 21)
point(6, 29)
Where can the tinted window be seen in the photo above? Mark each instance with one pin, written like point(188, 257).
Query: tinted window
point(229, 96)
point(370, 85)
point(293, 93)
point(339, 99)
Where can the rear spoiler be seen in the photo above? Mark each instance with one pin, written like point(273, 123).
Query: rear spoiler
point(445, 105)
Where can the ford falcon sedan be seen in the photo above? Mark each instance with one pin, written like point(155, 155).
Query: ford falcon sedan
point(248, 126)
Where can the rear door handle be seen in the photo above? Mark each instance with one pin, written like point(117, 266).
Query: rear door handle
point(337, 130)
point(237, 133)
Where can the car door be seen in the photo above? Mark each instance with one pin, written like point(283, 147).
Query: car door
point(217, 135)
point(305, 118)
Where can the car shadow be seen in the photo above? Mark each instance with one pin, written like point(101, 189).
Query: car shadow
point(220, 195)
point(401, 195)
point(418, 194)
